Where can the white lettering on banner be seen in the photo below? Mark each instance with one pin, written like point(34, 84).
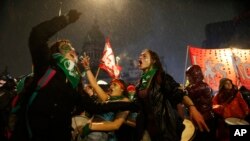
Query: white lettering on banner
point(218, 68)
point(209, 72)
point(240, 132)
point(108, 56)
point(246, 66)
point(70, 65)
point(236, 61)
point(242, 68)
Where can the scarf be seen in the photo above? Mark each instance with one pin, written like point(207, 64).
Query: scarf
point(69, 68)
point(146, 78)
point(131, 96)
point(116, 97)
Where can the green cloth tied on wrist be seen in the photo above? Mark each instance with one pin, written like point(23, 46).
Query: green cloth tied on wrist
point(85, 131)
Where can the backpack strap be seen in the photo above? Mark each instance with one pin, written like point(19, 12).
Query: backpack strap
point(44, 80)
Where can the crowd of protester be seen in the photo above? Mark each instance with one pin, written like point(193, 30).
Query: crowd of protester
point(45, 101)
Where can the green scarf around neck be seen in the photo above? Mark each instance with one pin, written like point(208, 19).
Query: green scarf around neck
point(69, 68)
point(131, 96)
point(146, 78)
point(116, 97)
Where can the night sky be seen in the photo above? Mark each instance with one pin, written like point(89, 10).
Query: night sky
point(165, 26)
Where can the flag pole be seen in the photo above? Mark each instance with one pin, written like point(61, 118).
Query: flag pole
point(60, 9)
point(97, 73)
point(187, 53)
point(59, 14)
point(236, 68)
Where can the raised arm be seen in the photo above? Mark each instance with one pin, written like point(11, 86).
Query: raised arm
point(41, 33)
point(106, 125)
point(92, 80)
point(110, 126)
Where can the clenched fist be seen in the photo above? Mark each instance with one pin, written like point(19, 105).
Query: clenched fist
point(73, 16)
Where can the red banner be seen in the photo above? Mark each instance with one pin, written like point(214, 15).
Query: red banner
point(231, 63)
point(108, 61)
point(241, 60)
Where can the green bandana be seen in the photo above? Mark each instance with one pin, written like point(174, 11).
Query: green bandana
point(146, 78)
point(68, 68)
point(116, 97)
point(131, 96)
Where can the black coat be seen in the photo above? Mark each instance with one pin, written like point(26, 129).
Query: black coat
point(51, 112)
point(160, 104)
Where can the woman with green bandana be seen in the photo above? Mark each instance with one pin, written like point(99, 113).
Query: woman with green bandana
point(158, 95)
point(56, 93)
point(102, 126)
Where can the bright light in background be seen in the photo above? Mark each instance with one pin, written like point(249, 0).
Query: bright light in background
point(99, 4)
point(117, 58)
point(102, 82)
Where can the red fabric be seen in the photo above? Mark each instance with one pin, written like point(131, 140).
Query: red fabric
point(236, 108)
point(14, 101)
point(231, 63)
point(108, 61)
point(119, 83)
point(131, 88)
point(241, 58)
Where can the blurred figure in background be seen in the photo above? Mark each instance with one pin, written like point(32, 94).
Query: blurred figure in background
point(201, 94)
point(228, 103)
point(246, 96)
point(7, 93)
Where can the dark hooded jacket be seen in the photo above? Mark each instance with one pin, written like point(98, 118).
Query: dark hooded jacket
point(199, 91)
point(158, 109)
point(50, 114)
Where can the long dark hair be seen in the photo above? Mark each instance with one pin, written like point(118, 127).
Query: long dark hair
point(226, 96)
point(155, 57)
point(158, 65)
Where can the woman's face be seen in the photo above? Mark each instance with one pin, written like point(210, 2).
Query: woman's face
point(69, 52)
point(115, 89)
point(145, 61)
point(228, 85)
point(71, 55)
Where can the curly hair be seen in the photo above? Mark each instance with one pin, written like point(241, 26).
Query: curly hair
point(61, 46)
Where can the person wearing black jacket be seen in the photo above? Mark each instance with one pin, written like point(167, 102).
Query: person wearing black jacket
point(158, 95)
point(48, 116)
point(201, 94)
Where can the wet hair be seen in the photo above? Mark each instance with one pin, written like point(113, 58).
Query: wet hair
point(55, 47)
point(10, 82)
point(160, 76)
point(194, 74)
point(124, 85)
point(154, 56)
point(223, 82)
point(120, 81)
point(225, 95)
